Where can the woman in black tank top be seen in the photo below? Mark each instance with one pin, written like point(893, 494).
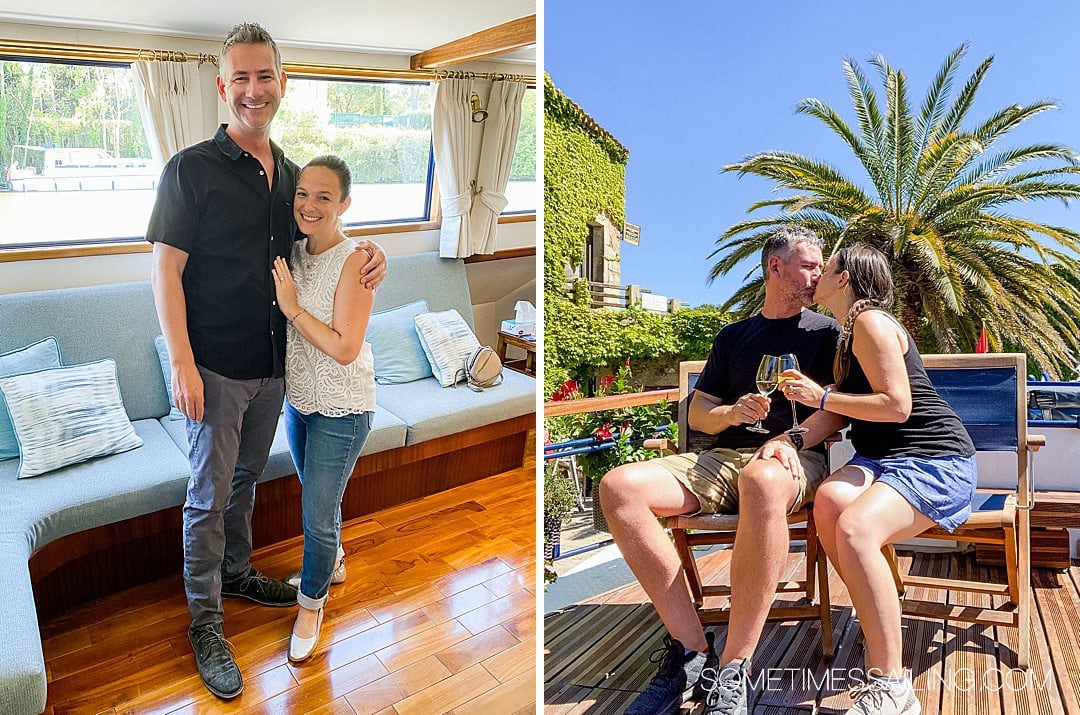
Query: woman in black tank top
point(914, 464)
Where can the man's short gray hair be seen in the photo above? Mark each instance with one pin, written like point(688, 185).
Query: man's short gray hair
point(783, 241)
point(248, 33)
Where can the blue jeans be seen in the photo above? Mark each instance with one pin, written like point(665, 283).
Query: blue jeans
point(324, 450)
point(228, 451)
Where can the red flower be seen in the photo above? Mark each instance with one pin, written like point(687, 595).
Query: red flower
point(565, 392)
point(628, 362)
point(604, 432)
point(606, 380)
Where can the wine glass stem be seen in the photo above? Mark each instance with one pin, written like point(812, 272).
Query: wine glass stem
point(794, 417)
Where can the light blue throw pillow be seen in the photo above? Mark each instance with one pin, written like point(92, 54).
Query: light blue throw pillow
point(166, 372)
point(395, 346)
point(66, 415)
point(40, 355)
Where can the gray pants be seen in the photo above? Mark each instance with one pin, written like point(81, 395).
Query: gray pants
point(228, 452)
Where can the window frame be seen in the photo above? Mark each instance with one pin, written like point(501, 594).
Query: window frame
point(68, 53)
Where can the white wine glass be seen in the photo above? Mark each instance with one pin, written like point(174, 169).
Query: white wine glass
point(790, 362)
point(768, 375)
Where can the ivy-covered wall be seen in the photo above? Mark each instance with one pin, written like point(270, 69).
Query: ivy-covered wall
point(584, 176)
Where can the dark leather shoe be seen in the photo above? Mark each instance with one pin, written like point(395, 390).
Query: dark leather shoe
point(260, 588)
point(216, 666)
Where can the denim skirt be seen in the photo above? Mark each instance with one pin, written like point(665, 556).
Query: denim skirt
point(940, 488)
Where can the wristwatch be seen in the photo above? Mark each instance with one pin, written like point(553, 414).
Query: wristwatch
point(797, 440)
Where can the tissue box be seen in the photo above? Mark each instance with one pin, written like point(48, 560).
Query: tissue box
point(513, 327)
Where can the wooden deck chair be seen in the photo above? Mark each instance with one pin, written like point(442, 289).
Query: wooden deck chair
point(721, 528)
point(989, 393)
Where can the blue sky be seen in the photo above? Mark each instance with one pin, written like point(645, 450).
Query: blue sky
point(690, 87)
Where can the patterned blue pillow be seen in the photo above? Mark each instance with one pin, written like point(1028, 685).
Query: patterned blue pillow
point(395, 346)
point(66, 415)
point(34, 357)
point(447, 341)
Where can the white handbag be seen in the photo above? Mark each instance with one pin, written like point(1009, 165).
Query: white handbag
point(483, 369)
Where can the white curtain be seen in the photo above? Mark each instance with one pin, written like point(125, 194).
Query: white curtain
point(451, 135)
point(171, 104)
point(496, 159)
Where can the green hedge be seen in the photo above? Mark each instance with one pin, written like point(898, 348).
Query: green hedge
point(578, 341)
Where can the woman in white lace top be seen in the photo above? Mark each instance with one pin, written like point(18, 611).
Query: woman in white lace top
point(329, 379)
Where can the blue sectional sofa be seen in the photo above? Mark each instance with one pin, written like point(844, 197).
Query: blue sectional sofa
point(121, 514)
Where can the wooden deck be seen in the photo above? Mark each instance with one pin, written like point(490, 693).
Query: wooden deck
point(437, 615)
point(597, 652)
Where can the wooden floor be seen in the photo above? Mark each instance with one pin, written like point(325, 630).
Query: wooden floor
point(597, 653)
point(437, 615)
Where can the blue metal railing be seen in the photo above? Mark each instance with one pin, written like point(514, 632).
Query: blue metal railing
point(588, 445)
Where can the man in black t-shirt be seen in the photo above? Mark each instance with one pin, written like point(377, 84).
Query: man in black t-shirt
point(729, 478)
point(223, 213)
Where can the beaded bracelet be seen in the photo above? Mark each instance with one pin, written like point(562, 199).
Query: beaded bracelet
point(823, 396)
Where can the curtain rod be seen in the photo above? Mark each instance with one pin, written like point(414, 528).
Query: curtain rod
point(496, 76)
point(63, 50)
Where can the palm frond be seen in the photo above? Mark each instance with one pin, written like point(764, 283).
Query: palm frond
point(933, 106)
point(963, 101)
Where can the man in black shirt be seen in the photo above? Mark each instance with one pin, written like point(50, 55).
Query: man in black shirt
point(223, 214)
point(728, 478)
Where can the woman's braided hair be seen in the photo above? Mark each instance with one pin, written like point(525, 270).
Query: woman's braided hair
point(871, 285)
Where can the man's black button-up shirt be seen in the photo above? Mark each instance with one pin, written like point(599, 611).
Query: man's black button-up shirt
point(214, 203)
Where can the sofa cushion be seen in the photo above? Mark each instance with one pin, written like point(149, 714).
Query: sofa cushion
point(432, 411)
point(439, 281)
point(166, 373)
point(448, 342)
point(395, 346)
point(108, 321)
point(100, 491)
point(387, 432)
point(22, 665)
point(40, 355)
point(67, 415)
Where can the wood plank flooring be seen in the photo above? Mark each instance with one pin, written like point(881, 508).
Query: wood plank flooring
point(437, 616)
point(596, 653)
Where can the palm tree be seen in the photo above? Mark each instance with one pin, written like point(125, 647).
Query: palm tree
point(938, 208)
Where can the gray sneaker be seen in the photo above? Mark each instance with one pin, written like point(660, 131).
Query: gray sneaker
point(876, 698)
point(675, 672)
point(727, 692)
point(215, 662)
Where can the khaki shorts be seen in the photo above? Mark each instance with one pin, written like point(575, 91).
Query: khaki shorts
point(713, 477)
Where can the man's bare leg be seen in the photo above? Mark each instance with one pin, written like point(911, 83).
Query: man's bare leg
point(766, 493)
point(633, 496)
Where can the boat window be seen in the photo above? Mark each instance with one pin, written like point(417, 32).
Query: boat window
point(521, 190)
point(381, 129)
point(74, 160)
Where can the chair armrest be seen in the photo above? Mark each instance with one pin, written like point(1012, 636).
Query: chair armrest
point(662, 444)
point(1035, 442)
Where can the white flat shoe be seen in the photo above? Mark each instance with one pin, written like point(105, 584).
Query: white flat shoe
point(302, 648)
point(338, 576)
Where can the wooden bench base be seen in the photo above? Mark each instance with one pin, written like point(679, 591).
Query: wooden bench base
point(87, 565)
